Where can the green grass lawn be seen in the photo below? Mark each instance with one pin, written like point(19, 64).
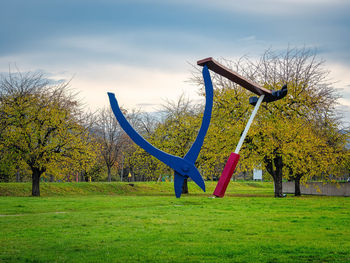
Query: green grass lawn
point(134, 188)
point(146, 223)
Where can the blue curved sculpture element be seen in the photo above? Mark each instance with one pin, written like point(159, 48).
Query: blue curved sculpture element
point(183, 167)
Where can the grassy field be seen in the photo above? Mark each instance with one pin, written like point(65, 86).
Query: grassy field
point(146, 223)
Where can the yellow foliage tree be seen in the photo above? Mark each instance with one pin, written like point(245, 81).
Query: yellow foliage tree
point(43, 125)
point(286, 136)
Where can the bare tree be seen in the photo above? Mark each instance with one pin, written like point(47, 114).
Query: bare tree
point(111, 138)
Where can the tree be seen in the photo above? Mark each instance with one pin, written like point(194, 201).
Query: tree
point(178, 130)
point(320, 151)
point(7, 167)
point(111, 138)
point(285, 136)
point(143, 165)
point(42, 124)
point(230, 111)
point(310, 98)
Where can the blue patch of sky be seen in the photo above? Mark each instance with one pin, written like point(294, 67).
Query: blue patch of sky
point(169, 26)
point(26, 21)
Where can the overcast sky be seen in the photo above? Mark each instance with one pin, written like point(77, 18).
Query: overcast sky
point(141, 50)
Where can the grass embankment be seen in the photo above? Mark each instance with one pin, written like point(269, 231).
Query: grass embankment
point(137, 188)
point(161, 228)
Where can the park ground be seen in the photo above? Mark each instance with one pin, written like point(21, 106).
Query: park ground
point(144, 222)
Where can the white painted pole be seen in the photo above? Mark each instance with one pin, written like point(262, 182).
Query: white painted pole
point(241, 140)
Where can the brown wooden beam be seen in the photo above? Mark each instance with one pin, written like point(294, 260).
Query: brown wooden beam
point(234, 76)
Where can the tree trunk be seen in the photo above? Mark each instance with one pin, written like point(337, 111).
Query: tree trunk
point(277, 180)
point(36, 173)
point(276, 173)
point(109, 173)
point(82, 177)
point(122, 171)
point(185, 187)
point(297, 191)
point(18, 176)
point(159, 178)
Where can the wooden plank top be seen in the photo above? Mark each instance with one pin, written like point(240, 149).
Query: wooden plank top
point(234, 76)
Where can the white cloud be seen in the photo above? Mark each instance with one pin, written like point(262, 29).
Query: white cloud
point(132, 86)
point(340, 75)
point(344, 102)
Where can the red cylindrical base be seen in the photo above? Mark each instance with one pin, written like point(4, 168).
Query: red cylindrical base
point(226, 175)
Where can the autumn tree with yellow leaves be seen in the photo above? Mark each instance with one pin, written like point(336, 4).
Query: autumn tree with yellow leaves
point(174, 134)
point(43, 126)
point(293, 137)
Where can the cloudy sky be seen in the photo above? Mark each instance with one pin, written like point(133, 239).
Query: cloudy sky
point(141, 49)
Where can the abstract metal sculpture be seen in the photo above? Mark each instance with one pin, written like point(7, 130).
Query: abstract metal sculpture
point(265, 95)
point(183, 167)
